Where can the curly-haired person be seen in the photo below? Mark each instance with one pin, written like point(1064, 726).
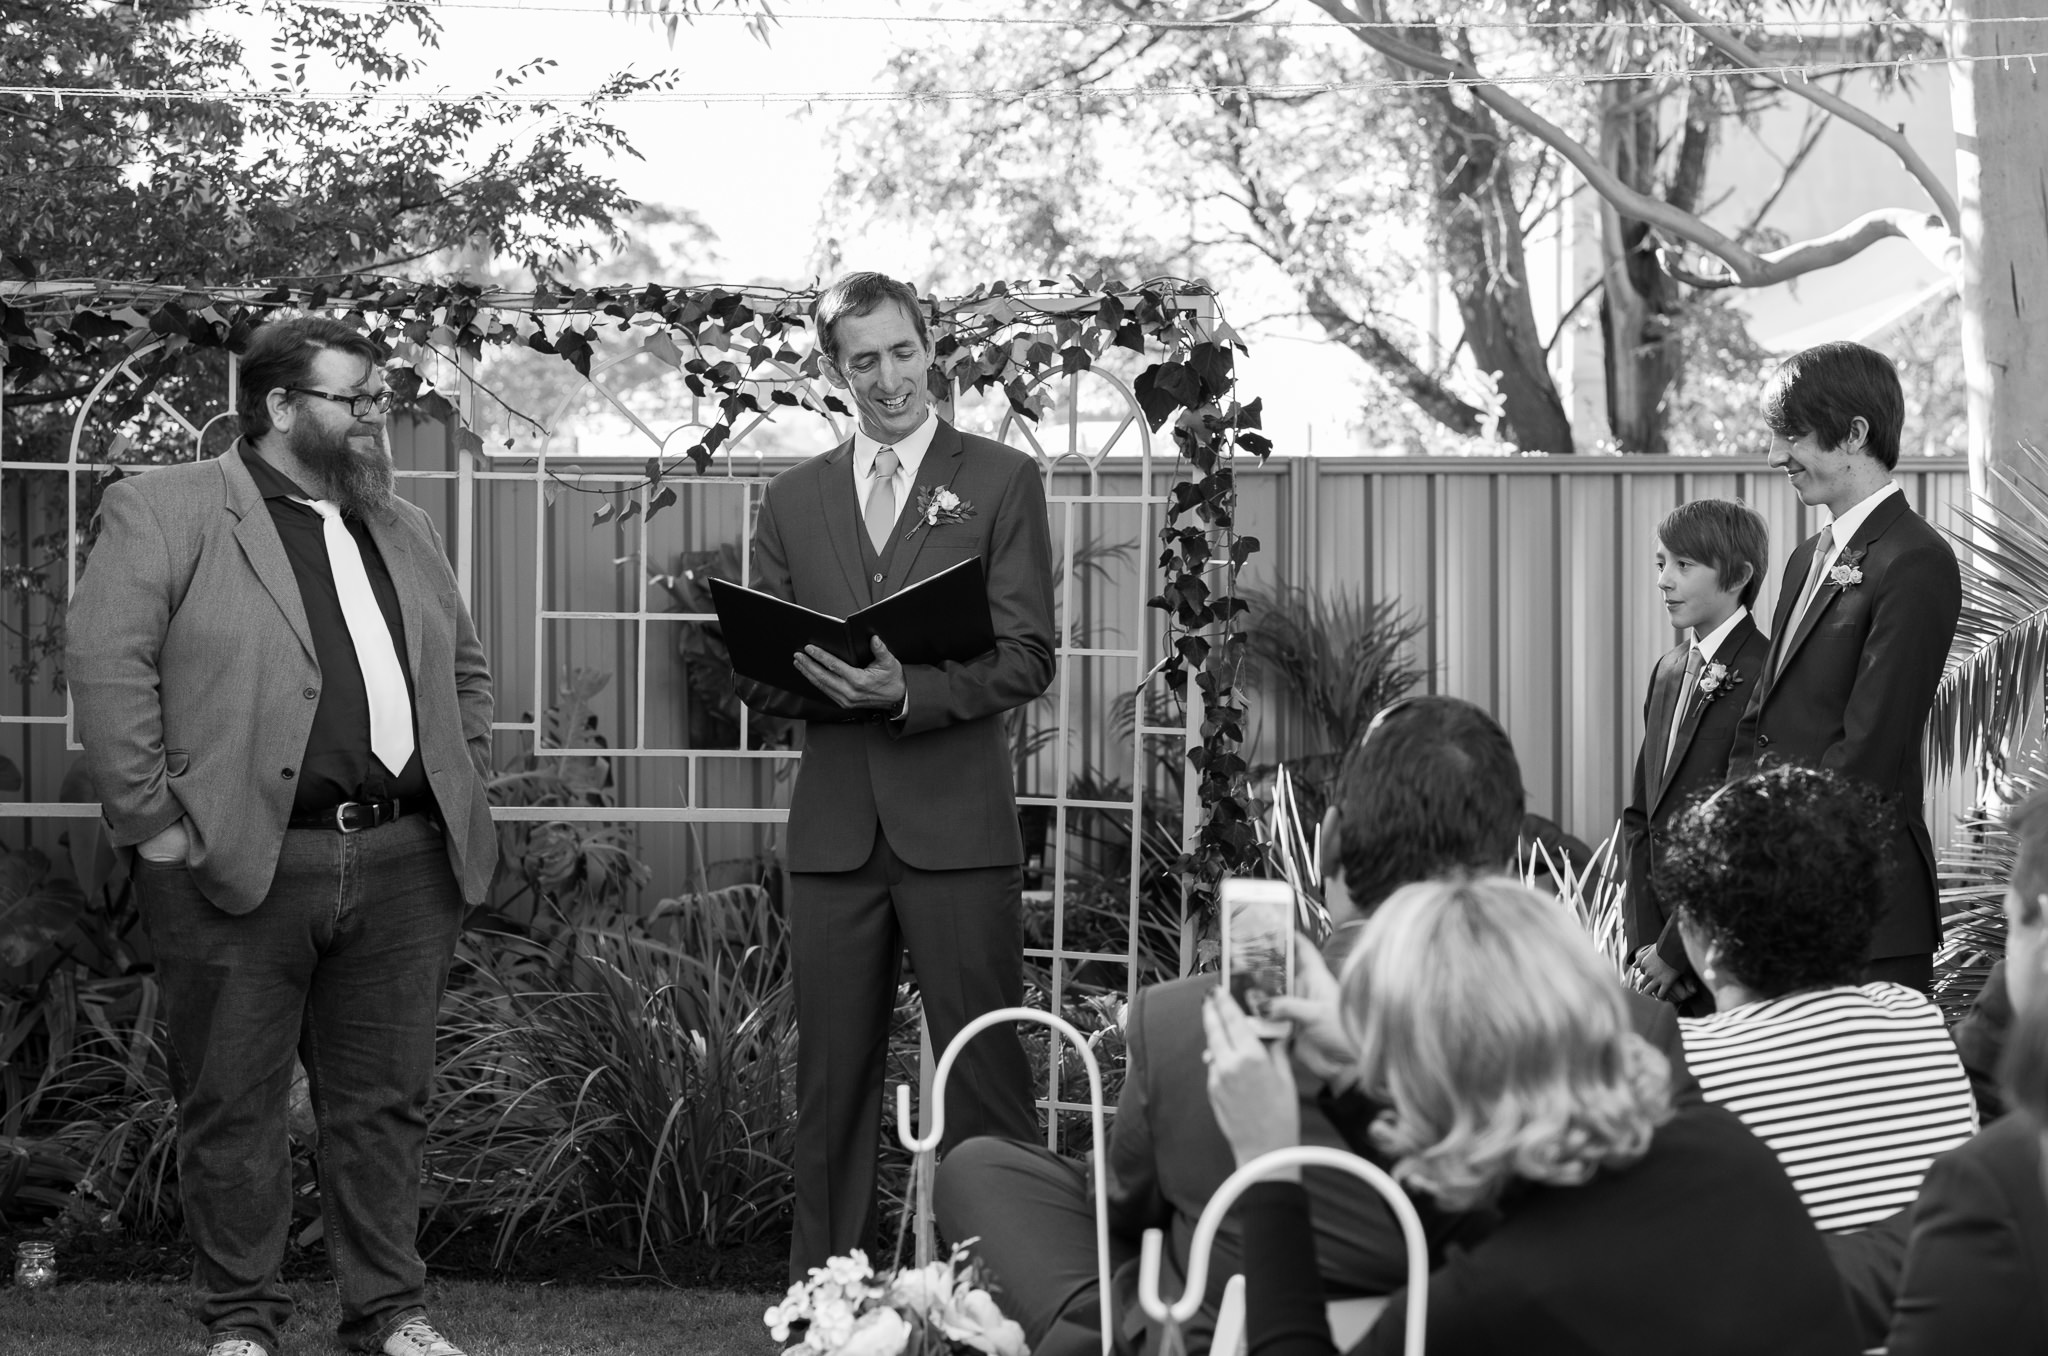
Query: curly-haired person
point(1777, 880)
point(1484, 1057)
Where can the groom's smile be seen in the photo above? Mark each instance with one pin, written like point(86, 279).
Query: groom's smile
point(883, 360)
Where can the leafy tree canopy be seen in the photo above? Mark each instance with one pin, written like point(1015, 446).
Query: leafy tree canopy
point(195, 190)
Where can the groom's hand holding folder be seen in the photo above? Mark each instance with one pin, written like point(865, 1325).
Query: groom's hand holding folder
point(834, 669)
point(878, 687)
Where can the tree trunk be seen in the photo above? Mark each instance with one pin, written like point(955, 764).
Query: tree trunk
point(1639, 300)
point(2001, 122)
point(1481, 232)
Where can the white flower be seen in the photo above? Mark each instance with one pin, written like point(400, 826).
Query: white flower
point(926, 1290)
point(831, 1324)
point(848, 1270)
point(884, 1332)
point(946, 501)
point(973, 1318)
point(1846, 576)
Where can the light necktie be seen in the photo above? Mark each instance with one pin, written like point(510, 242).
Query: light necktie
point(881, 512)
point(1822, 549)
point(383, 678)
point(1687, 687)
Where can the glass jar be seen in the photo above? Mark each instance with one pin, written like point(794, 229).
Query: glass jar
point(35, 1265)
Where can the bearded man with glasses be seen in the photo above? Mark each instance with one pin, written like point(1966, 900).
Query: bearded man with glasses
point(287, 717)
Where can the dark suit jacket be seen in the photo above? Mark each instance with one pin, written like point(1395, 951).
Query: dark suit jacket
point(1698, 764)
point(1701, 1248)
point(939, 782)
point(1167, 1156)
point(1977, 1260)
point(193, 676)
point(1855, 693)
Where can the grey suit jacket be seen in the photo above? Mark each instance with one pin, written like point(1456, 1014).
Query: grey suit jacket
point(193, 679)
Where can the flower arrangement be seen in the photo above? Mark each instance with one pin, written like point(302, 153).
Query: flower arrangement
point(940, 1309)
point(937, 505)
point(1714, 680)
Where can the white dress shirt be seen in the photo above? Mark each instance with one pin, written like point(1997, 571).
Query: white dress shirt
point(1845, 526)
point(909, 456)
point(1711, 641)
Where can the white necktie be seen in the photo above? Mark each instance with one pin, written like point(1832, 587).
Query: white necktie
point(383, 679)
point(881, 514)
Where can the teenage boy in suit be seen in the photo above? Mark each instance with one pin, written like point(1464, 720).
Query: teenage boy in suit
point(1866, 612)
point(1711, 558)
point(903, 823)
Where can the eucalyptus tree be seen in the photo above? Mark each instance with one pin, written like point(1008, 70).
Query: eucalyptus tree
point(1371, 156)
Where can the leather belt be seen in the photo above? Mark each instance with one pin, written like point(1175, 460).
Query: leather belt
point(353, 816)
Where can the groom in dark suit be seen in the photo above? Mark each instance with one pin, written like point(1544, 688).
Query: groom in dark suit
point(1866, 611)
point(903, 824)
point(1711, 558)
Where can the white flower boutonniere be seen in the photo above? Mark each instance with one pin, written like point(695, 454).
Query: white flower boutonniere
point(1847, 571)
point(1714, 680)
point(937, 505)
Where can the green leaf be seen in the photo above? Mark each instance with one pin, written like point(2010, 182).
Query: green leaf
point(34, 909)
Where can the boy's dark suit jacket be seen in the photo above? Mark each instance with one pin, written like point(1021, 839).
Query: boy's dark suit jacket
point(1977, 1262)
point(1699, 763)
point(1855, 693)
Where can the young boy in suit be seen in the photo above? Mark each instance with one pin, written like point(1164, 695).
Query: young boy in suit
point(1711, 558)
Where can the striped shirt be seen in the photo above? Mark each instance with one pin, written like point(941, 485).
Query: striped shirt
point(1855, 1089)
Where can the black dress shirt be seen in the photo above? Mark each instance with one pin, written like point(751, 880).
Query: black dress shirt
point(338, 765)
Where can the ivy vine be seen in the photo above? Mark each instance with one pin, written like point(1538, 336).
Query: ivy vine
point(737, 346)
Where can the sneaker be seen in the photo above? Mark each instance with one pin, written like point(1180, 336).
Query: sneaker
point(234, 1346)
point(416, 1337)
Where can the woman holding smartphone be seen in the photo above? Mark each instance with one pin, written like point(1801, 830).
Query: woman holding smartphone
point(1485, 1058)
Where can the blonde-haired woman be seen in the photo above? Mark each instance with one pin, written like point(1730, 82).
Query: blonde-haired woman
point(1477, 1048)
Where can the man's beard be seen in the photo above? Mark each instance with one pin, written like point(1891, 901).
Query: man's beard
point(359, 482)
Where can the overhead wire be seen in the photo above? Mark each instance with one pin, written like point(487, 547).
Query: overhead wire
point(1806, 27)
point(600, 97)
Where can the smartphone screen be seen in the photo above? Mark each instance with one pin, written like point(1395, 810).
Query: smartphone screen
point(1258, 947)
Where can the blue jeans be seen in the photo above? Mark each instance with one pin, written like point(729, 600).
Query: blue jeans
point(344, 962)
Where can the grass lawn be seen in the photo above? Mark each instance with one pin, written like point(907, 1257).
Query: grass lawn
point(100, 1318)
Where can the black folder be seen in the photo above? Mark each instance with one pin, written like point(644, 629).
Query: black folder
point(938, 620)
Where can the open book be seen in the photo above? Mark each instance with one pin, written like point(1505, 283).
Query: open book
point(937, 620)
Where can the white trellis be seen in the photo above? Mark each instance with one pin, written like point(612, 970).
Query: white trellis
point(1094, 468)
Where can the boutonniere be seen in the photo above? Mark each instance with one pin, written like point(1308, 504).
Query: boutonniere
point(936, 506)
point(1714, 680)
point(1847, 572)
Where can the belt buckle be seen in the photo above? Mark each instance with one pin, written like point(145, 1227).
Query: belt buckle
point(341, 816)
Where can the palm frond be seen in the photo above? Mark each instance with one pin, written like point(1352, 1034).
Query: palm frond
point(1341, 655)
point(1998, 664)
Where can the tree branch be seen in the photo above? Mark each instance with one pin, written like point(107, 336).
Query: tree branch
point(1923, 229)
point(1892, 138)
point(1745, 267)
point(1809, 137)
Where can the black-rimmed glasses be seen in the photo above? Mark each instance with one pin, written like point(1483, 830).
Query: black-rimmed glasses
point(358, 405)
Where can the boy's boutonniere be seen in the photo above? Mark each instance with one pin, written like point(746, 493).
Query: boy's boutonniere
point(1847, 572)
point(937, 505)
point(1714, 680)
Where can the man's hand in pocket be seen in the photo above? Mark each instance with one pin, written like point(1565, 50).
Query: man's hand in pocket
point(167, 847)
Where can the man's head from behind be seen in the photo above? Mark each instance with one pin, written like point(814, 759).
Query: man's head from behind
point(1432, 786)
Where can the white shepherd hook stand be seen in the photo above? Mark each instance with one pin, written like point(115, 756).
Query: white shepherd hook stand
point(1264, 1166)
point(924, 1149)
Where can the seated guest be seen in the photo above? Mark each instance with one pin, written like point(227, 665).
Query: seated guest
point(1980, 1038)
point(1976, 1275)
point(1494, 1068)
point(1432, 786)
point(1777, 882)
